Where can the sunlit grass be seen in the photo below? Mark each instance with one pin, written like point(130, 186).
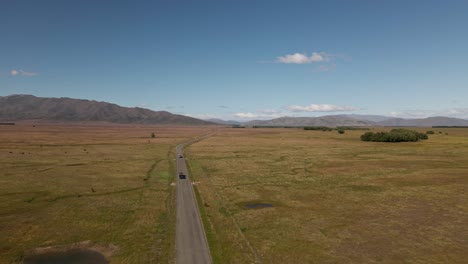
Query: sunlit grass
point(336, 198)
point(108, 184)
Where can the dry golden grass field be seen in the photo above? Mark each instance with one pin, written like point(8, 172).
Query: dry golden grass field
point(334, 198)
point(65, 184)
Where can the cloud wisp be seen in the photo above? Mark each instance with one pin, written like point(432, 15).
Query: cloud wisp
point(292, 111)
point(260, 114)
point(302, 58)
point(459, 112)
point(246, 115)
point(22, 73)
point(320, 108)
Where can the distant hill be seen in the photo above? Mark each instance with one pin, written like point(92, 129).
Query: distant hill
point(32, 108)
point(425, 122)
point(329, 121)
point(223, 122)
point(372, 118)
point(358, 120)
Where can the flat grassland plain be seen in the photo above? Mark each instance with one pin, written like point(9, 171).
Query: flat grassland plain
point(110, 184)
point(324, 197)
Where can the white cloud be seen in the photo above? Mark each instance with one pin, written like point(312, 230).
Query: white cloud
point(456, 112)
point(394, 114)
point(451, 112)
point(320, 108)
point(317, 57)
point(260, 114)
point(246, 115)
point(301, 58)
point(22, 73)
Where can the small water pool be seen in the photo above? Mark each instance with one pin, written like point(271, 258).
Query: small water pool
point(71, 256)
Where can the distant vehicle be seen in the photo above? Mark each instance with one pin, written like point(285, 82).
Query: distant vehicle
point(182, 176)
point(180, 156)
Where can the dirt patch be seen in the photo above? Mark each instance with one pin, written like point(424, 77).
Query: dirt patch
point(85, 252)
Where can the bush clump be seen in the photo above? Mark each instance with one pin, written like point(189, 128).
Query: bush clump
point(341, 131)
point(430, 132)
point(320, 128)
point(352, 128)
point(395, 135)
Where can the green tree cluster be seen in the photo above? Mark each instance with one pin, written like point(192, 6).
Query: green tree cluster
point(395, 135)
point(351, 128)
point(321, 128)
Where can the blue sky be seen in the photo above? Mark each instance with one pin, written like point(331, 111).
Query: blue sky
point(242, 59)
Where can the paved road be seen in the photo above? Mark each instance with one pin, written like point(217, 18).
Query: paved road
point(191, 243)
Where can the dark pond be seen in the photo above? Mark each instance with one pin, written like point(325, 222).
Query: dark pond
point(258, 205)
point(72, 256)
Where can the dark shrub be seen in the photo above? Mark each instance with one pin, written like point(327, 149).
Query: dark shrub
point(321, 128)
point(395, 135)
point(367, 136)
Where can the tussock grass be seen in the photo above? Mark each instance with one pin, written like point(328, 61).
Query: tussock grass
point(62, 184)
point(336, 199)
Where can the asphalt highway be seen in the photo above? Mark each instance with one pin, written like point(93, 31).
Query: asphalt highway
point(191, 243)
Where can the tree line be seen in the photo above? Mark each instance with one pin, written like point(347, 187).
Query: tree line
point(395, 135)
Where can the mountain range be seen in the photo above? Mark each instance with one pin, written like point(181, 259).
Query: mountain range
point(354, 120)
point(224, 122)
point(329, 121)
point(15, 108)
point(425, 122)
point(31, 108)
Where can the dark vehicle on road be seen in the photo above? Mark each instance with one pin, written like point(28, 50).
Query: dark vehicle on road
point(182, 176)
point(180, 156)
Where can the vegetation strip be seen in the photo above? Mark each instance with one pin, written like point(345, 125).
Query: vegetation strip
point(395, 135)
point(107, 201)
point(201, 204)
point(338, 205)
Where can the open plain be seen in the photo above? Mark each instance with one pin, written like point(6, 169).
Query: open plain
point(266, 195)
point(104, 186)
point(233, 132)
point(295, 196)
